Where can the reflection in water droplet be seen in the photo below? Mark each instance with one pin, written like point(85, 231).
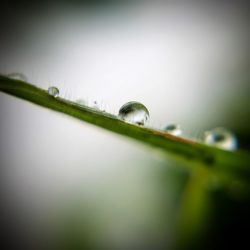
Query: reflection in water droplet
point(221, 138)
point(134, 112)
point(17, 76)
point(173, 129)
point(53, 91)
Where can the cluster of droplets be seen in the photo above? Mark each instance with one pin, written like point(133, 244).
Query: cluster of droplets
point(136, 113)
point(54, 92)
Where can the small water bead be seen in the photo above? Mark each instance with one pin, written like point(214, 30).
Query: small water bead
point(17, 76)
point(221, 138)
point(53, 91)
point(173, 129)
point(134, 112)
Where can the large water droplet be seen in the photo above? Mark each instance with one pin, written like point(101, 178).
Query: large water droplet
point(17, 76)
point(221, 138)
point(53, 91)
point(134, 112)
point(173, 129)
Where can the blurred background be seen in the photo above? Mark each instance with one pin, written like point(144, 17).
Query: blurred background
point(187, 62)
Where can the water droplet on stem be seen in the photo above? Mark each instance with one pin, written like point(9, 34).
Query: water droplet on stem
point(221, 138)
point(17, 76)
point(134, 112)
point(53, 91)
point(173, 129)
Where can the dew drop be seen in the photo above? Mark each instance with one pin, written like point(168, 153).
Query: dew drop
point(17, 76)
point(53, 91)
point(173, 129)
point(134, 112)
point(221, 138)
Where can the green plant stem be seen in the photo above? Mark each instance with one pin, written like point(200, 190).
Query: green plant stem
point(235, 164)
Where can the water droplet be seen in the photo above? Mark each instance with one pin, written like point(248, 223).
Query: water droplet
point(134, 112)
point(17, 76)
point(53, 91)
point(221, 138)
point(173, 129)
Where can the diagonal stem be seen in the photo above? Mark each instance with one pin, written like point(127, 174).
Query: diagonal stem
point(231, 164)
